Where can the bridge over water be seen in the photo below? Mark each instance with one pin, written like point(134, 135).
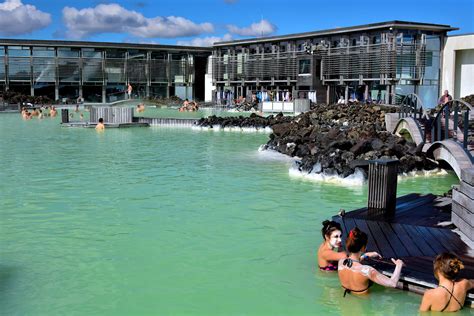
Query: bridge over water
point(447, 136)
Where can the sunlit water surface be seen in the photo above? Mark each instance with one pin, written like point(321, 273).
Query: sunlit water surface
point(168, 221)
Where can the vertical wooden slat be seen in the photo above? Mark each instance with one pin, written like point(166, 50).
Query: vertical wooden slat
point(382, 183)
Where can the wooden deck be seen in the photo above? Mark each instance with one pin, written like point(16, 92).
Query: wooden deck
point(412, 234)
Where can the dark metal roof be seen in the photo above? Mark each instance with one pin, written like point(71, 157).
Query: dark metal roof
point(56, 43)
point(359, 28)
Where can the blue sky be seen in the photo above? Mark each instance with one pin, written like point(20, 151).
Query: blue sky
point(199, 23)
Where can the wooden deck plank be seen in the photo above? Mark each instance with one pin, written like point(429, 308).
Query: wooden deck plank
point(425, 247)
point(448, 243)
point(382, 242)
point(395, 242)
point(371, 244)
point(457, 245)
point(350, 224)
point(409, 244)
point(430, 239)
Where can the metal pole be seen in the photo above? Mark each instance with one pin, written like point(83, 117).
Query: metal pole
point(466, 128)
point(446, 122)
point(438, 123)
point(456, 114)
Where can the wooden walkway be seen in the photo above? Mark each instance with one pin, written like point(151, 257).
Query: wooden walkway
point(411, 233)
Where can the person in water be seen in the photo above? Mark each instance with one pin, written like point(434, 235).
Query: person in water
point(100, 126)
point(357, 278)
point(329, 253)
point(450, 294)
point(330, 250)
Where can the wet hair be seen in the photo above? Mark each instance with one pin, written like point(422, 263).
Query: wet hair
point(356, 240)
point(101, 120)
point(329, 227)
point(448, 265)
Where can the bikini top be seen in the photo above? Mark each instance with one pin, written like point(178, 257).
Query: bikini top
point(451, 293)
point(329, 267)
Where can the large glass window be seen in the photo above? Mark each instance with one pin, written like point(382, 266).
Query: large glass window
point(44, 70)
point(304, 67)
point(18, 51)
point(19, 68)
point(2, 51)
point(43, 52)
point(91, 53)
point(68, 69)
point(92, 70)
point(68, 52)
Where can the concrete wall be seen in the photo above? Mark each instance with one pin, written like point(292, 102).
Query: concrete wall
point(458, 65)
point(208, 81)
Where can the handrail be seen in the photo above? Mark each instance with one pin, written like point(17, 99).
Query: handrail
point(412, 108)
point(453, 110)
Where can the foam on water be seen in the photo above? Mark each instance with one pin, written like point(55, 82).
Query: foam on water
point(273, 155)
point(356, 179)
point(423, 173)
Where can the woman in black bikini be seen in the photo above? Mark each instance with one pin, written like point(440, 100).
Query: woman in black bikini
point(330, 251)
point(357, 278)
point(450, 294)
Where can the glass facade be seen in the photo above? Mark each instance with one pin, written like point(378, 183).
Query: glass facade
point(99, 74)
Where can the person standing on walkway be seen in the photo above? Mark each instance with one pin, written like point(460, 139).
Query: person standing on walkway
point(445, 98)
point(129, 91)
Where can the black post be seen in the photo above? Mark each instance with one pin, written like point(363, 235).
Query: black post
point(64, 116)
point(456, 119)
point(382, 181)
point(446, 122)
point(433, 135)
point(466, 128)
point(438, 123)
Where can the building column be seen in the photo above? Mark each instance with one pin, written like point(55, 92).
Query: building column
point(80, 90)
point(56, 91)
point(328, 94)
point(387, 94)
point(32, 90)
point(366, 93)
point(346, 94)
point(104, 95)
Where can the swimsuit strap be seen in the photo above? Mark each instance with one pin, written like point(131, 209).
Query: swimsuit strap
point(450, 297)
point(346, 290)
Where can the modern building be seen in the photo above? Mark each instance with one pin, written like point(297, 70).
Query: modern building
point(101, 72)
point(458, 65)
point(375, 62)
point(381, 62)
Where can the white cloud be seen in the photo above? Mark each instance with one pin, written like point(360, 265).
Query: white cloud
point(262, 28)
point(205, 41)
point(17, 18)
point(113, 18)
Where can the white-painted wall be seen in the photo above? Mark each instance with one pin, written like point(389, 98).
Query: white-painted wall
point(208, 87)
point(458, 65)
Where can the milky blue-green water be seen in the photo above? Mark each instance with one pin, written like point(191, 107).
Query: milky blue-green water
point(161, 221)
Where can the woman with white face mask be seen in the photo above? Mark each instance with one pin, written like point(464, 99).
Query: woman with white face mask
point(330, 251)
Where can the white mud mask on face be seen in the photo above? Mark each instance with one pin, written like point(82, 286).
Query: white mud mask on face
point(335, 239)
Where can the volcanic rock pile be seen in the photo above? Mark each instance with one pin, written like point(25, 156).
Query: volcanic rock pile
point(334, 139)
point(240, 121)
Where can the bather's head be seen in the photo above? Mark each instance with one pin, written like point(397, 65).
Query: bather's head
point(356, 241)
point(332, 233)
point(448, 265)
